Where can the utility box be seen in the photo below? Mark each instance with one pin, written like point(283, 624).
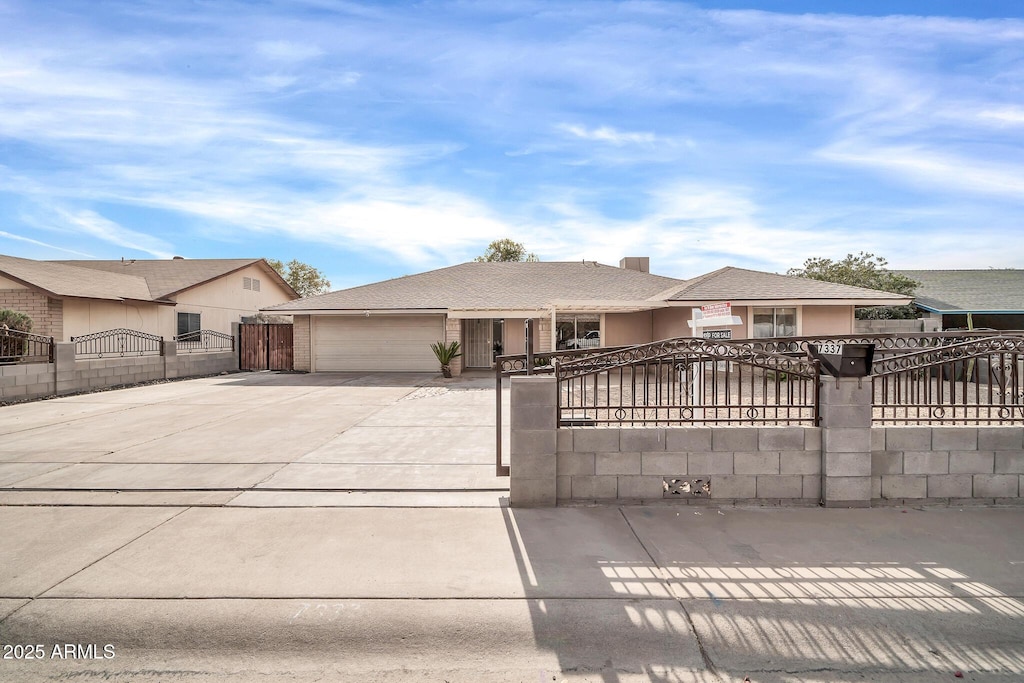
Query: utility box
point(843, 360)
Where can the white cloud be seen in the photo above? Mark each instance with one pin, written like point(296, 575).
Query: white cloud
point(287, 51)
point(609, 135)
point(94, 225)
point(37, 243)
point(1005, 115)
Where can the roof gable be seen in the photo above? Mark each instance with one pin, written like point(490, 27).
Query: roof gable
point(493, 285)
point(64, 280)
point(167, 277)
point(742, 284)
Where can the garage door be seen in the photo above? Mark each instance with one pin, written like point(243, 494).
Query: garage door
point(399, 343)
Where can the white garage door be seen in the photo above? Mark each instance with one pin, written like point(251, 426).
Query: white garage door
point(396, 343)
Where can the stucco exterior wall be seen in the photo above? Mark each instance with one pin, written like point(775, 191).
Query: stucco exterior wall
point(515, 336)
point(83, 316)
point(824, 320)
point(224, 301)
point(627, 329)
point(219, 304)
point(10, 284)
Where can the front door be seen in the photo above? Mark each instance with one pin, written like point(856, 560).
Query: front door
point(479, 343)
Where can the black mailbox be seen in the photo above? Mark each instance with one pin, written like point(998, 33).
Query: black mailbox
point(843, 360)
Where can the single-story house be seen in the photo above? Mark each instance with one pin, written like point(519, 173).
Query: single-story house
point(994, 297)
point(390, 325)
point(166, 297)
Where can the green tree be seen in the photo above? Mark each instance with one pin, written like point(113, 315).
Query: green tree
point(863, 270)
point(13, 320)
point(304, 278)
point(506, 250)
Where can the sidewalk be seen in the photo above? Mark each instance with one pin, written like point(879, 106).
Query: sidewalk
point(495, 594)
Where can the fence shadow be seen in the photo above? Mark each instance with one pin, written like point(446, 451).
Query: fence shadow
point(627, 591)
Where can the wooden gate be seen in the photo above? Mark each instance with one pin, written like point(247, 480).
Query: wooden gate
point(266, 347)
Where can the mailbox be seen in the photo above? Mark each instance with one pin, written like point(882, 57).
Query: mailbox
point(843, 360)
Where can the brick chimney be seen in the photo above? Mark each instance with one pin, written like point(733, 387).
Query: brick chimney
point(638, 263)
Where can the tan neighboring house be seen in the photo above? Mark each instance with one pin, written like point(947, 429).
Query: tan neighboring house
point(390, 325)
point(68, 299)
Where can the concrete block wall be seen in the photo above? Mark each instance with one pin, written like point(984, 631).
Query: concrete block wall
point(301, 346)
point(68, 375)
point(844, 462)
point(955, 464)
point(30, 380)
point(769, 465)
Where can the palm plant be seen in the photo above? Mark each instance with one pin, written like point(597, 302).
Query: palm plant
point(445, 354)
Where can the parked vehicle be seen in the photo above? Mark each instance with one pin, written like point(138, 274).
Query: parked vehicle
point(591, 339)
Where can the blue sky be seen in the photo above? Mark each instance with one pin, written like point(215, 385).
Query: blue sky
point(374, 140)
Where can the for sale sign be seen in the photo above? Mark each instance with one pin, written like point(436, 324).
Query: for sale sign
point(717, 334)
point(721, 310)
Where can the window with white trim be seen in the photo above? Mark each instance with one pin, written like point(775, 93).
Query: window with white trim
point(774, 322)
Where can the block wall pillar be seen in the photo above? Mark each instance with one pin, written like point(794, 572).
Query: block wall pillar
point(534, 402)
point(846, 441)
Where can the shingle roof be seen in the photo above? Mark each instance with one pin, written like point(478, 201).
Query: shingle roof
point(61, 279)
point(975, 291)
point(169, 276)
point(742, 284)
point(496, 285)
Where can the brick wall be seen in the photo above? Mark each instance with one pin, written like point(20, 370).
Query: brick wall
point(47, 314)
point(301, 360)
point(453, 332)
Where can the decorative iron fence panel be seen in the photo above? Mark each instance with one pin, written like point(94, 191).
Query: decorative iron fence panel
point(119, 342)
point(687, 382)
point(24, 347)
point(204, 341)
point(979, 381)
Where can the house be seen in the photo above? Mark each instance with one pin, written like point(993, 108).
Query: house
point(994, 298)
point(168, 297)
point(390, 325)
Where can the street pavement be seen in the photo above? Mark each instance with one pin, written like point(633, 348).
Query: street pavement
point(170, 575)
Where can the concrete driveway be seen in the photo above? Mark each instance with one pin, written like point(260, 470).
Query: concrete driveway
point(259, 439)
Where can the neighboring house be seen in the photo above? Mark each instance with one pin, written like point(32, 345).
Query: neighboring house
point(164, 297)
point(994, 298)
point(390, 325)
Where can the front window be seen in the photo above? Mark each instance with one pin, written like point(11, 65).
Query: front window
point(188, 326)
point(774, 322)
point(577, 331)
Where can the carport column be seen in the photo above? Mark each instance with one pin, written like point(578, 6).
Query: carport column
point(453, 332)
point(534, 401)
point(170, 354)
point(846, 441)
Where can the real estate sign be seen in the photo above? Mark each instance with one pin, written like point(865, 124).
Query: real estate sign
point(721, 310)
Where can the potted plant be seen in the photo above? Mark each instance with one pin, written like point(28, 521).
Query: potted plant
point(445, 354)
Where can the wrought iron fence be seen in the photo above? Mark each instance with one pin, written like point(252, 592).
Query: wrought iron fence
point(687, 381)
point(544, 361)
point(885, 344)
point(24, 347)
point(204, 341)
point(977, 381)
point(119, 342)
